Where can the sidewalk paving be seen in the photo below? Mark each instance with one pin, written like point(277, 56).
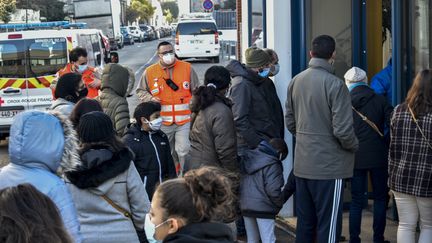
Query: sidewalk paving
point(289, 224)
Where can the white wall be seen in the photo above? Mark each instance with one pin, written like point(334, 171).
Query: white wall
point(278, 38)
point(184, 7)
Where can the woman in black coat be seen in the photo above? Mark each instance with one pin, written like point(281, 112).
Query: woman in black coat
point(372, 154)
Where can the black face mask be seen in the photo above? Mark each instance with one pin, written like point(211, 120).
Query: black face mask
point(82, 93)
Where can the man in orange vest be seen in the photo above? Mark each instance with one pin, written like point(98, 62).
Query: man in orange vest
point(170, 82)
point(78, 64)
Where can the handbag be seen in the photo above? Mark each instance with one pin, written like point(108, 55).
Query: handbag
point(369, 122)
point(418, 127)
point(142, 237)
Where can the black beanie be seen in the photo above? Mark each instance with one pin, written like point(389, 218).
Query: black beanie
point(67, 87)
point(94, 127)
point(145, 110)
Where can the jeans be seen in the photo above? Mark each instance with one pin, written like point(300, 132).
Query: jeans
point(410, 209)
point(359, 194)
point(260, 229)
point(178, 137)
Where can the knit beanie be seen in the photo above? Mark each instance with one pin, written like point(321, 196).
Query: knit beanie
point(95, 126)
point(354, 75)
point(256, 57)
point(67, 86)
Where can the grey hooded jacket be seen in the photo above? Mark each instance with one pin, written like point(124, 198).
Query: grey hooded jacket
point(114, 86)
point(319, 115)
point(113, 174)
point(261, 183)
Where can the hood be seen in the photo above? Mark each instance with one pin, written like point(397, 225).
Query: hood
point(60, 102)
point(208, 232)
point(44, 140)
point(256, 159)
point(116, 78)
point(361, 95)
point(99, 167)
point(236, 69)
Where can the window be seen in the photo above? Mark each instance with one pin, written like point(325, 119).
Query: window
point(196, 28)
point(257, 23)
point(421, 43)
point(45, 57)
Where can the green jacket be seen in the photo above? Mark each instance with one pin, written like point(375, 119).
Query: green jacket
point(115, 80)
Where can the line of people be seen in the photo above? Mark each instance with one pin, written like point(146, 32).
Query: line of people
point(112, 170)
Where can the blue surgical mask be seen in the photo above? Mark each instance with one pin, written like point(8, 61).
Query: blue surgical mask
point(155, 125)
point(82, 68)
point(264, 73)
point(275, 70)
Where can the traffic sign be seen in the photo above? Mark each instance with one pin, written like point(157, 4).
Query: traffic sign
point(208, 4)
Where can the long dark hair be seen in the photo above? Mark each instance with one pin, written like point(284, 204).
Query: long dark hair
point(67, 86)
point(202, 195)
point(27, 215)
point(419, 97)
point(216, 78)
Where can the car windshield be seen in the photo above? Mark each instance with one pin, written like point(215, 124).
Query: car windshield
point(123, 30)
point(196, 28)
point(32, 57)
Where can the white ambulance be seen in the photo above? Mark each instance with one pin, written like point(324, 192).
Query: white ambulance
point(29, 61)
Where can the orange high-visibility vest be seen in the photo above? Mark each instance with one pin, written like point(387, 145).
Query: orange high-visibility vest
point(87, 77)
point(175, 104)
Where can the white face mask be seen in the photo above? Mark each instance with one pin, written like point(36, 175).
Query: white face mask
point(156, 124)
point(168, 58)
point(153, 228)
point(275, 70)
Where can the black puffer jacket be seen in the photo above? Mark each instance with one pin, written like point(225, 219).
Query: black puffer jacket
point(208, 232)
point(252, 114)
point(153, 158)
point(274, 105)
point(373, 150)
point(261, 183)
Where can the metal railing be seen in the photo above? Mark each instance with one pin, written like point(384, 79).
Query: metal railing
point(225, 19)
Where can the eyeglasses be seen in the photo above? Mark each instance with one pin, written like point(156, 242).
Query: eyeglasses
point(166, 52)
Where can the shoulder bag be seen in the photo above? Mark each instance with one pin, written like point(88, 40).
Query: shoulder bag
point(140, 232)
point(418, 127)
point(369, 122)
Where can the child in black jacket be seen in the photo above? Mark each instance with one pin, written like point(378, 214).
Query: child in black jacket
point(153, 158)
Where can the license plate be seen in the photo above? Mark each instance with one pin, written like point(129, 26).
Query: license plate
point(9, 114)
point(196, 42)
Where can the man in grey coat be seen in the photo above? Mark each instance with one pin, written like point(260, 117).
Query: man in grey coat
point(318, 114)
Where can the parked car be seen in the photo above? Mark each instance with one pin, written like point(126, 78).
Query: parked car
point(197, 38)
point(127, 36)
point(157, 36)
point(149, 33)
point(136, 32)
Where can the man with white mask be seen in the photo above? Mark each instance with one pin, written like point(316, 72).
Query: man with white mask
point(171, 82)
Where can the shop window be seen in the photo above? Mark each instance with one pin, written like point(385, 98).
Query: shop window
point(257, 23)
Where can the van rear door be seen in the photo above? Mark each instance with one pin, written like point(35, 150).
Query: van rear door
point(197, 38)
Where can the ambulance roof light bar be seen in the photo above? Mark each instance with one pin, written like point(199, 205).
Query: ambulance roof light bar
point(42, 25)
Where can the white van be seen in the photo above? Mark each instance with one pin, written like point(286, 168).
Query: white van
point(197, 38)
point(29, 61)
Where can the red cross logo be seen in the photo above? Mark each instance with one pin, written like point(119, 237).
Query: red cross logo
point(1, 101)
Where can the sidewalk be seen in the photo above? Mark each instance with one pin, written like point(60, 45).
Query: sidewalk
point(289, 225)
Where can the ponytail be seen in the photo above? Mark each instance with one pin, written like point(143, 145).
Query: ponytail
point(206, 96)
point(205, 194)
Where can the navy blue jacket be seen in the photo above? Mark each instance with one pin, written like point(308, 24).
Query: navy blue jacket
point(261, 183)
point(153, 158)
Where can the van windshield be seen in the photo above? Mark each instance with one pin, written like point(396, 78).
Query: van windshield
point(196, 28)
point(32, 57)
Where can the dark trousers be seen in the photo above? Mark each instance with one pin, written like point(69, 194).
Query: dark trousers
point(319, 210)
point(359, 195)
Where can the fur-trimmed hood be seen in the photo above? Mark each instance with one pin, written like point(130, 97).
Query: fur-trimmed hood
point(99, 167)
point(44, 140)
